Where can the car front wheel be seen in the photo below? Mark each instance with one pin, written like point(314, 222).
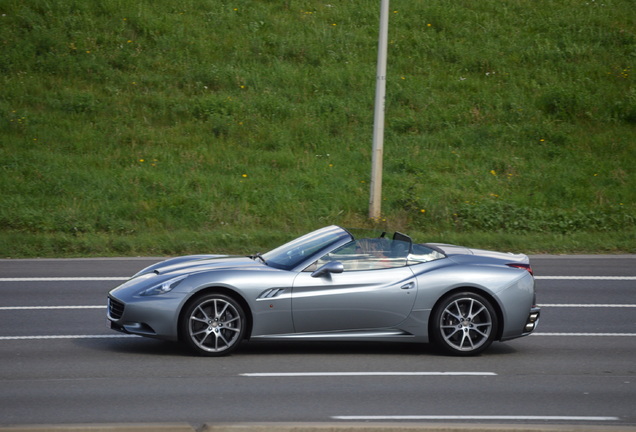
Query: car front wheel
point(213, 325)
point(464, 324)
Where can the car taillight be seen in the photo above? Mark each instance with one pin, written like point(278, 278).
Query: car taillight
point(522, 266)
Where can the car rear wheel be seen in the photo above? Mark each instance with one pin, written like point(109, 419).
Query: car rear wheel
point(213, 325)
point(464, 324)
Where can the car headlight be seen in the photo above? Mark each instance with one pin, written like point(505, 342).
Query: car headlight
point(163, 287)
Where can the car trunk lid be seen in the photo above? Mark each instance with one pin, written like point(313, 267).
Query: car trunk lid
point(450, 250)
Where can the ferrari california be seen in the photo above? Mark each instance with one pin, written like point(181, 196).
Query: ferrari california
point(333, 285)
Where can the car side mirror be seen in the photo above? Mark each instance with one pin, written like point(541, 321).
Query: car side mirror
point(330, 267)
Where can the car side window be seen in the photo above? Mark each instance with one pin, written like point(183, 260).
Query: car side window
point(421, 253)
point(368, 254)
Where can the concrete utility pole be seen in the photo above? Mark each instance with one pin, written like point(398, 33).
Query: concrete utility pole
point(375, 201)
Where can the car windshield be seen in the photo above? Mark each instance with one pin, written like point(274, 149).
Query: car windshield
point(293, 253)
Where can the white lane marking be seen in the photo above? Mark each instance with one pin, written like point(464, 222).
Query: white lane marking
point(314, 373)
point(482, 417)
point(590, 305)
point(67, 337)
point(323, 374)
point(124, 278)
point(586, 277)
point(50, 307)
point(8, 308)
point(62, 279)
point(584, 334)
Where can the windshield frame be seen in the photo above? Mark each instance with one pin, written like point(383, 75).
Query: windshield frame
point(307, 248)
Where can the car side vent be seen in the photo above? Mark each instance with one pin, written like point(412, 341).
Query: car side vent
point(272, 292)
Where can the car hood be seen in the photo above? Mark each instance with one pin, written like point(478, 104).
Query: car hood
point(199, 263)
point(450, 250)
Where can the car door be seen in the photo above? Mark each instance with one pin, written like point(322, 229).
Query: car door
point(352, 300)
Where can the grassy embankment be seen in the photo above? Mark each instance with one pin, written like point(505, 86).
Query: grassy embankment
point(162, 127)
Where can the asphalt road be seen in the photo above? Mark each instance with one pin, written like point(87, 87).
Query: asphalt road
point(60, 364)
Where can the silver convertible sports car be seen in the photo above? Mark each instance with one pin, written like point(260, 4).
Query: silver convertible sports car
point(331, 286)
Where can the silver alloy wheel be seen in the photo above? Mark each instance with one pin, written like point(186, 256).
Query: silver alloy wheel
point(215, 325)
point(466, 324)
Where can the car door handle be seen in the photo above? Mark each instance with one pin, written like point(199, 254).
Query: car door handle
point(407, 286)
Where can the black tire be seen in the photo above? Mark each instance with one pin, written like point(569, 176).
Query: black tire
point(464, 324)
point(213, 325)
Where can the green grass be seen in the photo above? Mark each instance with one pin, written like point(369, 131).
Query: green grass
point(163, 127)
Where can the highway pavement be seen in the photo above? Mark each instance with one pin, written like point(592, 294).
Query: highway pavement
point(61, 364)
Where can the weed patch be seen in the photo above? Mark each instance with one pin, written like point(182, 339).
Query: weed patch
point(130, 128)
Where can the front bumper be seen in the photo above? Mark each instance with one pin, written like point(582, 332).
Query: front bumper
point(156, 318)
